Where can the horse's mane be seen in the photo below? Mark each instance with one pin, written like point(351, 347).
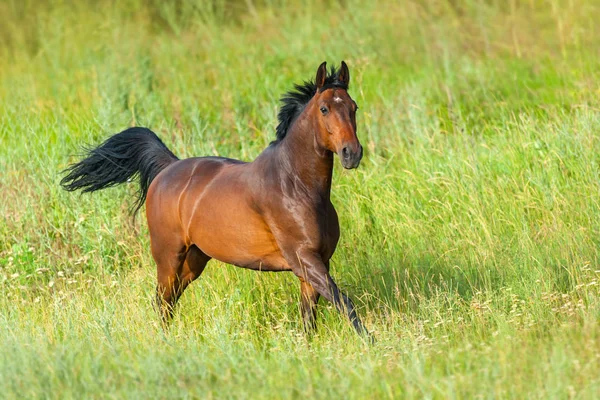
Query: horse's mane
point(294, 101)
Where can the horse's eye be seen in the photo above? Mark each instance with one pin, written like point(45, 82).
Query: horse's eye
point(324, 110)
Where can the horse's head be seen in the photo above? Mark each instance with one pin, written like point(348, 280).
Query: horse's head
point(336, 116)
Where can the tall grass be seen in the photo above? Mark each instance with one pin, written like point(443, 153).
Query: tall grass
point(470, 232)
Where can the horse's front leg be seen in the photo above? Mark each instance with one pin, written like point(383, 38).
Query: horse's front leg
point(308, 306)
point(310, 268)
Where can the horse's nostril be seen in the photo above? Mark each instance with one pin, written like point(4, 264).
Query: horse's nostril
point(345, 152)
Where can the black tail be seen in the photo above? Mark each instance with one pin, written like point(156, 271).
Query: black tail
point(135, 151)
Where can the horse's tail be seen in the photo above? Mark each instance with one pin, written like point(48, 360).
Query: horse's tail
point(135, 151)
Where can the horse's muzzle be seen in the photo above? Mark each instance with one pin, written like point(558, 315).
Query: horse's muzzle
point(351, 159)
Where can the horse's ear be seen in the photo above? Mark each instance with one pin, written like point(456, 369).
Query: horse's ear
point(321, 75)
point(344, 74)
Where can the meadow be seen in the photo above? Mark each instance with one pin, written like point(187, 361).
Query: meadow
point(470, 232)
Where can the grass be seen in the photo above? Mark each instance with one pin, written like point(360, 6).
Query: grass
point(470, 233)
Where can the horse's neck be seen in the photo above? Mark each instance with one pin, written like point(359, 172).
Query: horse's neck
point(313, 168)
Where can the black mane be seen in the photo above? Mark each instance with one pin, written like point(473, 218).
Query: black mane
point(294, 101)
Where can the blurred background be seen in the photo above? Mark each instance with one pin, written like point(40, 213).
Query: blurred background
point(229, 61)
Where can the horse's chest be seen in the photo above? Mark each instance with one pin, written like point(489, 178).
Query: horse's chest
point(329, 232)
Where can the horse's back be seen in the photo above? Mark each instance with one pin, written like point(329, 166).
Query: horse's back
point(169, 190)
point(209, 202)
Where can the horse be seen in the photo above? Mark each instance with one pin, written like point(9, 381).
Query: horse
point(270, 214)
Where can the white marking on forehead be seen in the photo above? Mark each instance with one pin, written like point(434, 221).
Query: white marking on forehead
point(337, 99)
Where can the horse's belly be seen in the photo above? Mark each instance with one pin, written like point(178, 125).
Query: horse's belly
point(229, 231)
point(273, 263)
point(244, 248)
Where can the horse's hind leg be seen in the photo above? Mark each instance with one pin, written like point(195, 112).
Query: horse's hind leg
point(169, 264)
point(194, 264)
point(176, 269)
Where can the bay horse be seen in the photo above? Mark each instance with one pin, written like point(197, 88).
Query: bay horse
point(271, 214)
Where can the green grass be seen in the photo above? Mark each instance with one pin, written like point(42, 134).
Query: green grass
point(470, 233)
